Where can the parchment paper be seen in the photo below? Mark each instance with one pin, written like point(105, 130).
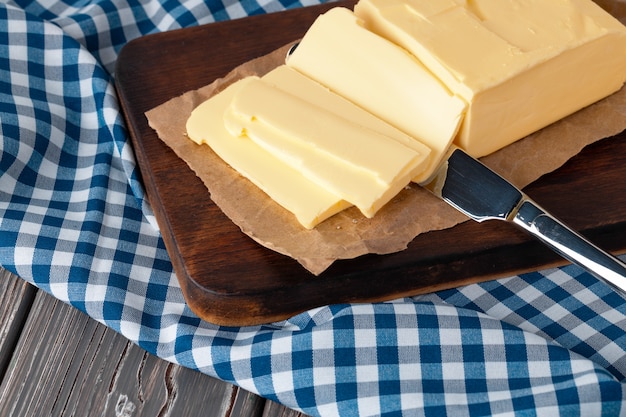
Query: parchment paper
point(414, 211)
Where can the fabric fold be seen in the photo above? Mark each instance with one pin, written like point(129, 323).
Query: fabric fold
point(74, 221)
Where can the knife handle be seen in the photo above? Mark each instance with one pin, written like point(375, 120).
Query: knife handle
point(571, 245)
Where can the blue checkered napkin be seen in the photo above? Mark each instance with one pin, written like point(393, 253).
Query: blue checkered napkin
point(73, 221)
point(423, 356)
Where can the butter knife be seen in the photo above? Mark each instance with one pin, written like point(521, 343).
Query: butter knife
point(477, 191)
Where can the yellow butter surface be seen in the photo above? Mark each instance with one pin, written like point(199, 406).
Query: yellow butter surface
point(289, 80)
point(362, 166)
point(520, 64)
point(310, 203)
point(382, 78)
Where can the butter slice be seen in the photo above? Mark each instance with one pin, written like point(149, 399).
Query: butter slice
point(289, 80)
point(358, 164)
point(310, 203)
point(379, 76)
point(520, 64)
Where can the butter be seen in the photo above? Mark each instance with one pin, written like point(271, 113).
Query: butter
point(382, 78)
point(360, 165)
point(289, 80)
point(372, 100)
point(310, 203)
point(521, 65)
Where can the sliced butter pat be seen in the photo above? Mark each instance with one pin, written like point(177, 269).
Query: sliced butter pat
point(289, 80)
point(307, 135)
point(382, 78)
point(358, 164)
point(310, 203)
point(520, 65)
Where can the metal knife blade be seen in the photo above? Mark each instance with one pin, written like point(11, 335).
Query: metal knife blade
point(477, 191)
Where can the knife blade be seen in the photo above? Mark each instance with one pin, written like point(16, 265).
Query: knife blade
point(480, 193)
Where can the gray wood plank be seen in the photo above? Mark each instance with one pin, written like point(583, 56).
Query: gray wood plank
point(66, 364)
point(247, 404)
point(16, 298)
point(273, 409)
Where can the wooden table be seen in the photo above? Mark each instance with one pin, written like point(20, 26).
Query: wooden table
point(55, 360)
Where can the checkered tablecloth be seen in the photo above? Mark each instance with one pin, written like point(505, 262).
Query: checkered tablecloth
point(74, 222)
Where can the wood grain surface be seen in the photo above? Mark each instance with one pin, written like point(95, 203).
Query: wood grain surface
point(56, 361)
point(229, 279)
point(16, 299)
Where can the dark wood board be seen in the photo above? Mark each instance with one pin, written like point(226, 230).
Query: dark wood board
point(229, 279)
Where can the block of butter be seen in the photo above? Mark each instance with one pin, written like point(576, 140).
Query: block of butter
point(339, 154)
point(520, 65)
point(381, 77)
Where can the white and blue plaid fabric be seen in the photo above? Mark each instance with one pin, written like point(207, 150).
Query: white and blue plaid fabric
point(74, 222)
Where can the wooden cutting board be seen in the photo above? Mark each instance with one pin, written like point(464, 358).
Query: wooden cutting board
point(229, 279)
